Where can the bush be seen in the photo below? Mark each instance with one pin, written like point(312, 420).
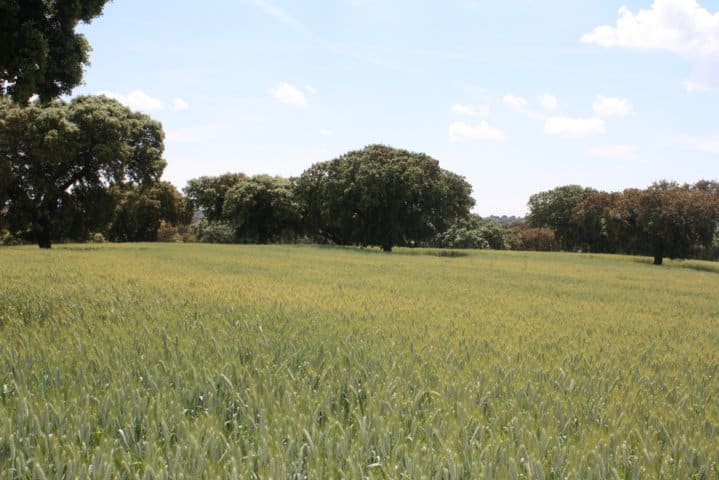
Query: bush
point(97, 238)
point(472, 232)
point(167, 232)
point(218, 232)
point(8, 239)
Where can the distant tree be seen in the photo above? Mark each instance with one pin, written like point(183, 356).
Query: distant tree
point(664, 220)
point(381, 196)
point(141, 210)
point(553, 209)
point(62, 153)
point(40, 52)
point(262, 209)
point(207, 194)
point(471, 232)
point(670, 219)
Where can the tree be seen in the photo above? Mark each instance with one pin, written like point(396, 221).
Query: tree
point(471, 232)
point(671, 219)
point(553, 209)
point(381, 196)
point(262, 209)
point(58, 152)
point(207, 194)
point(40, 52)
point(140, 210)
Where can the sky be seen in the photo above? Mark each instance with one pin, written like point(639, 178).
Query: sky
point(517, 96)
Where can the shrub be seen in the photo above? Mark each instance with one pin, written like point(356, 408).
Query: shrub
point(7, 238)
point(167, 232)
point(97, 238)
point(217, 232)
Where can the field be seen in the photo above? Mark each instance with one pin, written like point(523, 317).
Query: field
point(195, 361)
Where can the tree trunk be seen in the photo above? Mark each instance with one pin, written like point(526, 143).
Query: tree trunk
point(658, 259)
point(44, 237)
point(387, 248)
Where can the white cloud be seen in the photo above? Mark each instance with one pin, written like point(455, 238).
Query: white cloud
point(460, 131)
point(180, 105)
point(682, 27)
point(471, 110)
point(612, 107)
point(514, 101)
point(289, 94)
point(325, 132)
point(705, 144)
point(136, 100)
point(311, 90)
point(625, 152)
point(548, 102)
point(574, 127)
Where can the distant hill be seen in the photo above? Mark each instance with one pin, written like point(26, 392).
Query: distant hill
point(505, 220)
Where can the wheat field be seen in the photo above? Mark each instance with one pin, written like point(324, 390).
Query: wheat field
point(186, 361)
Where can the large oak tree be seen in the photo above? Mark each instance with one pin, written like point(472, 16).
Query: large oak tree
point(58, 152)
point(381, 196)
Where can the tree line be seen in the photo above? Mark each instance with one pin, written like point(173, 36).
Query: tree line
point(664, 220)
point(90, 168)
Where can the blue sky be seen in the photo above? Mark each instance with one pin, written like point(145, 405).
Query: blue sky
point(518, 96)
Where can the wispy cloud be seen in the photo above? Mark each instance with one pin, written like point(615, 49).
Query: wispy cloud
point(289, 95)
point(279, 14)
point(705, 144)
point(460, 131)
point(574, 127)
point(471, 110)
point(180, 105)
point(624, 152)
point(548, 102)
point(136, 100)
point(514, 101)
point(612, 107)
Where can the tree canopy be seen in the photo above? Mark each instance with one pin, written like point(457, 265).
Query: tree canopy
point(553, 209)
point(41, 53)
point(60, 155)
point(262, 209)
point(381, 196)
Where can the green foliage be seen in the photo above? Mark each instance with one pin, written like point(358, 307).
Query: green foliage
point(207, 194)
point(140, 212)
point(262, 209)
point(40, 51)
point(61, 157)
point(664, 220)
point(471, 232)
point(553, 209)
point(217, 232)
point(192, 361)
point(521, 236)
point(381, 196)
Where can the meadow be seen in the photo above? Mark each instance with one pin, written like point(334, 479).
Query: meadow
point(189, 361)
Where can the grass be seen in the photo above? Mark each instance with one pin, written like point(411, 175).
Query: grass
point(197, 361)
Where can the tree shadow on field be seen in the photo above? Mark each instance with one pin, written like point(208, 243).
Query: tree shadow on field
point(403, 251)
point(699, 266)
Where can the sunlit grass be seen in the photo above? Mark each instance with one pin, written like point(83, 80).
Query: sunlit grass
point(197, 361)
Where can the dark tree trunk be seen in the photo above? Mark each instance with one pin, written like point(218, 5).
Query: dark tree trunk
point(44, 236)
point(658, 259)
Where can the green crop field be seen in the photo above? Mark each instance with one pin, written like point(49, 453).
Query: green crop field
point(195, 361)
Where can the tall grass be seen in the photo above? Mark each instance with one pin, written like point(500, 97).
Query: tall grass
point(197, 361)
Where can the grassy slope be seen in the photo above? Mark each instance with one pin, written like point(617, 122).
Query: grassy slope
point(162, 360)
